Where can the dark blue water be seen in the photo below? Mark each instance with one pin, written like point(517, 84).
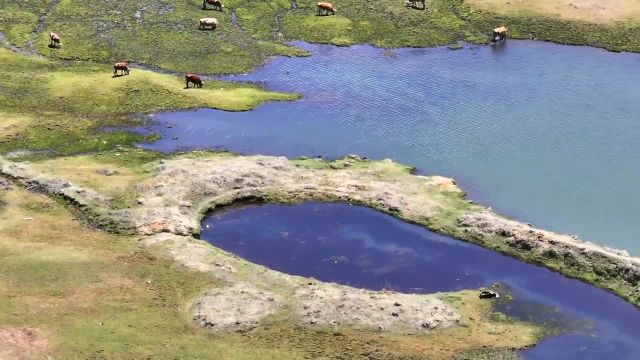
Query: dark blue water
point(364, 248)
point(546, 133)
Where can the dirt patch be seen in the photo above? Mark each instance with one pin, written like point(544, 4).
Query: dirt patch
point(86, 171)
point(23, 343)
point(596, 11)
point(10, 125)
point(331, 304)
point(238, 307)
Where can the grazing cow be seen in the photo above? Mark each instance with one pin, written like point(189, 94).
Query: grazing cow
point(325, 8)
point(414, 4)
point(500, 33)
point(123, 67)
point(215, 5)
point(54, 40)
point(208, 23)
point(193, 79)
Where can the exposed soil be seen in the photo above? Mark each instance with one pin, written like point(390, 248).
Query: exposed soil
point(17, 343)
point(597, 11)
point(233, 308)
point(338, 305)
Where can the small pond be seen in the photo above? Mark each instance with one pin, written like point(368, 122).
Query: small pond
point(361, 247)
point(546, 133)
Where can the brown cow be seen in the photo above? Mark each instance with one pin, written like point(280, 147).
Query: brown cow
point(500, 33)
point(123, 67)
point(211, 23)
point(193, 79)
point(54, 40)
point(215, 5)
point(325, 8)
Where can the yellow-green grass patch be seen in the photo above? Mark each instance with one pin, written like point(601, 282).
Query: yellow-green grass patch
point(11, 124)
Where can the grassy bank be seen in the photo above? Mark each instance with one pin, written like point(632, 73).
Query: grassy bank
point(165, 33)
point(58, 108)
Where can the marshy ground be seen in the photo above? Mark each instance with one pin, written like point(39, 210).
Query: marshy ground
point(68, 288)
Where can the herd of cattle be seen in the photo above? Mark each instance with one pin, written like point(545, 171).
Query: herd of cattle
point(323, 9)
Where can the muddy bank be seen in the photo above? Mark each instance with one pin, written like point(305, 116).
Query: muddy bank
point(176, 194)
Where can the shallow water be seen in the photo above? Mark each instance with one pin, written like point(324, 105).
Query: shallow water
point(364, 248)
point(542, 132)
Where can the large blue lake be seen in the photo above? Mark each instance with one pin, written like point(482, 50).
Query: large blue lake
point(364, 248)
point(546, 133)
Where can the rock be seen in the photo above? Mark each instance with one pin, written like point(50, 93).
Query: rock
point(488, 294)
point(5, 184)
point(522, 244)
point(550, 253)
point(107, 172)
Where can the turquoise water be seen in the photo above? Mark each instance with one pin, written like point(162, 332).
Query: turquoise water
point(364, 248)
point(546, 133)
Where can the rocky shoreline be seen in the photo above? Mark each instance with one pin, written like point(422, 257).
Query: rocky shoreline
point(179, 191)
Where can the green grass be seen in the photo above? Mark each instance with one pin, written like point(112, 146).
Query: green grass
point(65, 105)
point(165, 33)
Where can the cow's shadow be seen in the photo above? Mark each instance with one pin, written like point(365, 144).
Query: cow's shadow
point(53, 46)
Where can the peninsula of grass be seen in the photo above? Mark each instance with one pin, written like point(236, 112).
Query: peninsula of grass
point(59, 108)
